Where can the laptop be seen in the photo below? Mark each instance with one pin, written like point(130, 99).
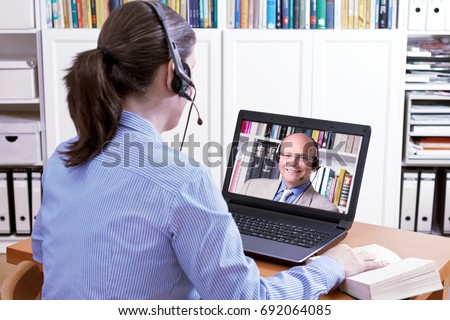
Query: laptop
point(312, 222)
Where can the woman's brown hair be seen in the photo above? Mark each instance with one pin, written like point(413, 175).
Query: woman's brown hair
point(131, 48)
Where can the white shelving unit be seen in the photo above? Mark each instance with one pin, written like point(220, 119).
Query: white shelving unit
point(422, 99)
point(26, 44)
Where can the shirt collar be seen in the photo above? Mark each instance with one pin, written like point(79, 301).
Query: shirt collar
point(133, 121)
point(297, 191)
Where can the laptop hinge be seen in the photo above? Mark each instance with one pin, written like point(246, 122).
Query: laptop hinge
point(343, 224)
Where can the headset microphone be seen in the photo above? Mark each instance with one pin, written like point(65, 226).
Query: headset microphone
point(199, 119)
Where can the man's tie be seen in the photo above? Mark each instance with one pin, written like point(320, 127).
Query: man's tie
point(286, 193)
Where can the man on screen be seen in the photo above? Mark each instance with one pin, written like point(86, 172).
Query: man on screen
point(298, 157)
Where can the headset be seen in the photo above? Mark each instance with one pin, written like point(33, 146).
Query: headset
point(182, 73)
point(315, 165)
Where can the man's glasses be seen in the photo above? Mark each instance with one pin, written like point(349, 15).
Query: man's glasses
point(296, 157)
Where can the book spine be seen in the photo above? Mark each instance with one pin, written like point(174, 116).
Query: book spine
point(201, 14)
point(215, 14)
point(55, 14)
point(61, 19)
point(271, 14)
point(302, 14)
point(344, 14)
point(345, 192)
point(237, 16)
point(330, 14)
point(291, 14)
point(244, 14)
point(74, 13)
point(361, 13)
point(251, 7)
point(321, 12)
point(67, 14)
point(307, 14)
point(93, 14)
point(312, 14)
point(285, 14)
point(382, 22)
point(367, 17)
point(79, 14)
point(206, 18)
point(278, 13)
point(337, 14)
point(389, 14)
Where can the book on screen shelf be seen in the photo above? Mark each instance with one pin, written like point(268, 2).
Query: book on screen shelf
point(433, 143)
point(345, 190)
point(339, 184)
point(430, 118)
point(428, 65)
point(430, 108)
point(400, 279)
point(441, 130)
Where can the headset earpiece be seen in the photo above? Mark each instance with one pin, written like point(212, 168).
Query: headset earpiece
point(315, 164)
point(179, 85)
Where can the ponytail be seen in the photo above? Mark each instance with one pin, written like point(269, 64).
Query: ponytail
point(94, 106)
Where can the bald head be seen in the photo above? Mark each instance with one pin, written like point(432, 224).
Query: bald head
point(298, 152)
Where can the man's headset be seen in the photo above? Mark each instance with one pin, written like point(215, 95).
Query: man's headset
point(182, 72)
point(315, 165)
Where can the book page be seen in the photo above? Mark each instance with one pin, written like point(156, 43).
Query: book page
point(396, 271)
point(382, 253)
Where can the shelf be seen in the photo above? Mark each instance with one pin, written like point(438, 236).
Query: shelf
point(17, 31)
point(20, 101)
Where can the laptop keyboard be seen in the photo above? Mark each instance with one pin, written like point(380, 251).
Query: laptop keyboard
point(278, 231)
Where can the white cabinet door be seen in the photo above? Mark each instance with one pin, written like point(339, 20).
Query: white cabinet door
point(357, 78)
point(60, 46)
point(265, 70)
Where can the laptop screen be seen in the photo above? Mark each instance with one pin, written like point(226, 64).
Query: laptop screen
point(320, 162)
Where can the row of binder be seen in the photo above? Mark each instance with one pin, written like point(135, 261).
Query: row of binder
point(425, 198)
point(428, 15)
point(20, 199)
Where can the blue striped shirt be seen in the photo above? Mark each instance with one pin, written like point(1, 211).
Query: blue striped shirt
point(143, 221)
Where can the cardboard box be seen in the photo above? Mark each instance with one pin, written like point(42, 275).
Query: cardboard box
point(17, 14)
point(18, 79)
point(20, 139)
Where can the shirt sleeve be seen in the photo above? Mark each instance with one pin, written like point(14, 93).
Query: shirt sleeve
point(209, 249)
point(37, 234)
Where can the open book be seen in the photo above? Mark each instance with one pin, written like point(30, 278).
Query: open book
point(402, 278)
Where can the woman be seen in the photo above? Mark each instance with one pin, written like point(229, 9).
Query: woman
point(126, 217)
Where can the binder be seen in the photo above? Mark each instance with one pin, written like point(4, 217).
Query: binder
point(21, 203)
point(410, 182)
point(5, 219)
point(417, 14)
point(36, 195)
point(436, 11)
point(444, 214)
point(426, 201)
point(447, 17)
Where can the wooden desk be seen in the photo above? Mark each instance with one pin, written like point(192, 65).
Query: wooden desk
point(404, 243)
